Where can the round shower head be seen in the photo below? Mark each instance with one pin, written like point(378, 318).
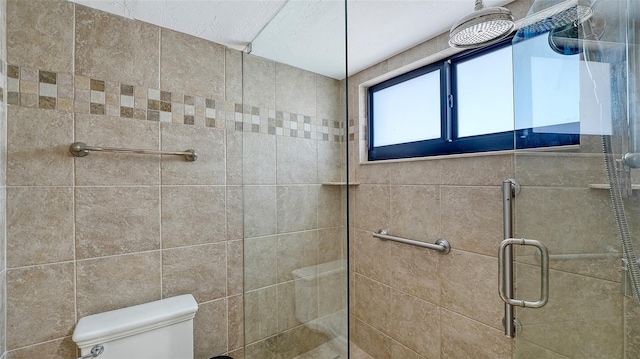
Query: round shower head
point(483, 27)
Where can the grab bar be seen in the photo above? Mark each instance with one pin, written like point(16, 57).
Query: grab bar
point(80, 149)
point(95, 352)
point(441, 245)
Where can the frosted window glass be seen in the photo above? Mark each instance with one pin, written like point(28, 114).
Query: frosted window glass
point(408, 111)
point(485, 94)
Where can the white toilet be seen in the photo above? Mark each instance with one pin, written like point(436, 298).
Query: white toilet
point(328, 315)
point(158, 330)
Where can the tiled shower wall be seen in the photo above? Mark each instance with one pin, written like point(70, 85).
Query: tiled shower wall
point(408, 302)
point(3, 164)
point(85, 235)
point(293, 216)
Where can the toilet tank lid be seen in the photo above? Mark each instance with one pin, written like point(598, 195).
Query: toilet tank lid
point(120, 323)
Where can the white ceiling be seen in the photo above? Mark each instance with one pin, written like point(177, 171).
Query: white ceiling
point(308, 34)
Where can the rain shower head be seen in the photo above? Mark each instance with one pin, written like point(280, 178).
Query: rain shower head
point(483, 27)
point(549, 15)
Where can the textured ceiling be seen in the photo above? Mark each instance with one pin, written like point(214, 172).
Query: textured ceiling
point(308, 34)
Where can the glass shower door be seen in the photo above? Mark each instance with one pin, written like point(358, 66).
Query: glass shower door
point(565, 87)
point(291, 129)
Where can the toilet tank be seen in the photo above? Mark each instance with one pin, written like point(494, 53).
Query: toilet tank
point(157, 330)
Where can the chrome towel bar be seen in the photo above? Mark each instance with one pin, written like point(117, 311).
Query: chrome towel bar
point(441, 245)
point(80, 149)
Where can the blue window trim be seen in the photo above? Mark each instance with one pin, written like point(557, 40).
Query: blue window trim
point(449, 142)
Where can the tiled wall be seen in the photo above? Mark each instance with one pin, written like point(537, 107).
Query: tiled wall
point(3, 164)
point(292, 220)
point(408, 302)
point(85, 235)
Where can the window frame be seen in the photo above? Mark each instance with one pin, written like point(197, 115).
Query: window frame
point(449, 143)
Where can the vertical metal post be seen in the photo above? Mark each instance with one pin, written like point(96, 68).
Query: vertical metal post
point(508, 193)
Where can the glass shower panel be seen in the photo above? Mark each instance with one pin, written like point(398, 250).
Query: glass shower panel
point(292, 131)
point(573, 82)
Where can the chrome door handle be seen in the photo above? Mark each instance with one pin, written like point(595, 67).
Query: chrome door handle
point(544, 273)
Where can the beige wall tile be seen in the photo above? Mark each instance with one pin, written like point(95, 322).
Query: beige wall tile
point(373, 303)
point(197, 270)
point(415, 271)
point(38, 147)
point(236, 322)
point(373, 342)
point(559, 170)
point(41, 39)
point(330, 207)
point(330, 244)
point(466, 338)
point(475, 277)
point(415, 323)
point(193, 215)
point(261, 268)
point(371, 256)
point(297, 208)
point(331, 160)
point(40, 304)
point(371, 207)
point(3, 310)
point(39, 225)
point(295, 251)
point(332, 297)
point(295, 90)
point(234, 212)
point(238, 354)
point(570, 297)
point(117, 168)
point(110, 47)
point(209, 144)
point(415, 212)
point(116, 220)
point(259, 81)
point(526, 350)
point(56, 349)
point(297, 341)
point(414, 54)
point(415, 172)
point(235, 269)
point(191, 65)
point(297, 303)
point(210, 329)
point(111, 283)
point(477, 171)
point(234, 151)
point(297, 160)
point(264, 349)
point(567, 220)
point(580, 338)
point(259, 159)
point(261, 315)
point(472, 218)
point(233, 75)
point(259, 211)
point(328, 97)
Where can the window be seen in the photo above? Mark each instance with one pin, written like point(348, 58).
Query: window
point(466, 104)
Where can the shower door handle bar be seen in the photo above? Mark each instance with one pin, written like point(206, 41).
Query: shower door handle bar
point(510, 189)
point(441, 245)
point(80, 149)
point(544, 273)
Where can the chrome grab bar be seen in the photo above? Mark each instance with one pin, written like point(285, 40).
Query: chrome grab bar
point(95, 352)
point(80, 149)
point(441, 245)
point(544, 273)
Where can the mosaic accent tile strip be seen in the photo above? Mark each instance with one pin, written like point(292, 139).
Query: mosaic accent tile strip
point(29, 87)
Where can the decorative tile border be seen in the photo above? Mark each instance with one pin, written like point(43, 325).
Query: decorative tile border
point(29, 87)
